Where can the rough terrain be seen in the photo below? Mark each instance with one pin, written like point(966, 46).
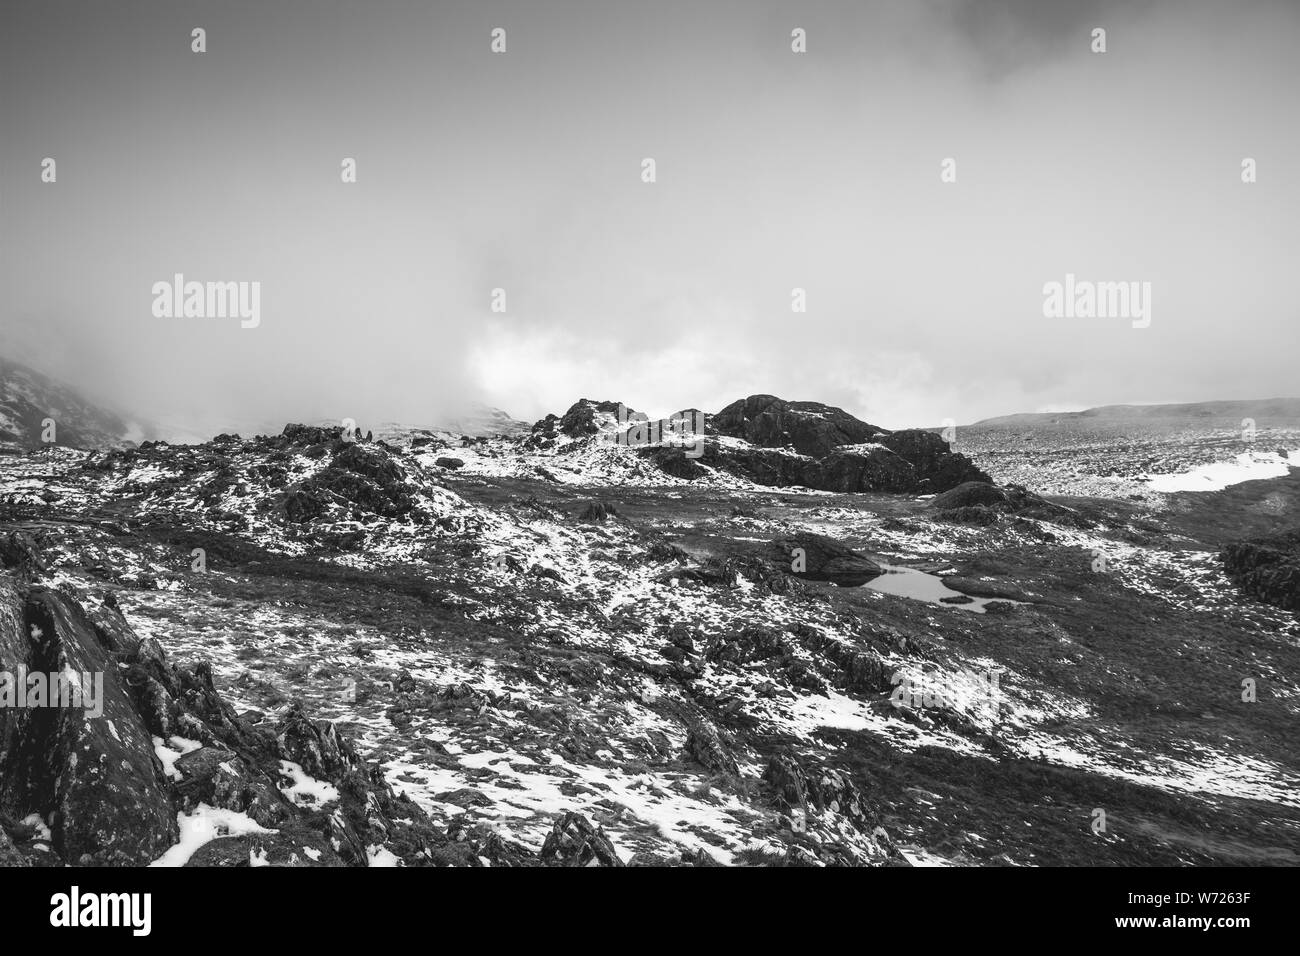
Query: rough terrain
point(553, 647)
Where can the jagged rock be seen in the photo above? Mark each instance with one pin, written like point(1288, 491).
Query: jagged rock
point(597, 512)
point(93, 776)
point(704, 745)
point(817, 790)
point(220, 778)
point(1267, 568)
point(315, 745)
point(574, 841)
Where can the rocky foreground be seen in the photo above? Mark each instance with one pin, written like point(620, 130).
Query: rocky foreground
point(560, 648)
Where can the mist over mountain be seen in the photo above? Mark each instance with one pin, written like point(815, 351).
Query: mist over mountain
point(775, 172)
point(36, 409)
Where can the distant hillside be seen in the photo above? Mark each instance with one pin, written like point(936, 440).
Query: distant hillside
point(481, 420)
point(28, 398)
point(1267, 413)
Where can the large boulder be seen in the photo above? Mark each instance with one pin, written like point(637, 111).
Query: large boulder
point(810, 428)
point(982, 502)
point(819, 558)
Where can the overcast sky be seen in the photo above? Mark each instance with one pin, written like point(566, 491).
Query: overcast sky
point(775, 170)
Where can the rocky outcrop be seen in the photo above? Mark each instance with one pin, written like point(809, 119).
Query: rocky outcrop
point(810, 445)
point(360, 478)
point(819, 558)
point(983, 503)
point(820, 790)
point(582, 420)
point(810, 428)
point(1267, 568)
point(574, 841)
point(705, 746)
point(769, 441)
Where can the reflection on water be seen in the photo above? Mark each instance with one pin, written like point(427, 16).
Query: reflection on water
point(910, 583)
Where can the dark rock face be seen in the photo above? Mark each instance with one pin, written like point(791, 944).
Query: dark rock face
point(874, 470)
point(820, 558)
point(94, 777)
point(937, 467)
point(810, 428)
point(1267, 568)
point(810, 445)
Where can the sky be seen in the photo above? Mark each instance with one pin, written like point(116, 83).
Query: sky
point(775, 170)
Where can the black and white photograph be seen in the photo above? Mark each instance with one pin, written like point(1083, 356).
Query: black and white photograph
point(518, 434)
